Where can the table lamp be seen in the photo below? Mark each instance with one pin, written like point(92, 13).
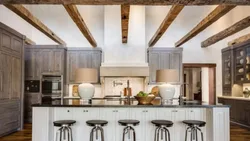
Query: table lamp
point(165, 78)
point(86, 76)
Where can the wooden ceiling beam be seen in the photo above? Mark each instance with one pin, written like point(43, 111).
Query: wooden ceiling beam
point(27, 16)
point(172, 14)
point(125, 9)
point(242, 24)
point(131, 2)
point(28, 41)
point(239, 40)
point(77, 18)
point(212, 17)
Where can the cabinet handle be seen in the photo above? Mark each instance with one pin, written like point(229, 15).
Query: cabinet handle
point(68, 111)
point(87, 111)
point(191, 111)
point(83, 110)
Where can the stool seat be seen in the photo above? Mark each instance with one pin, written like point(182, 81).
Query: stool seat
point(166, 123)
point(97, 122)
point(129, 122)
point(59, 123)
point(194, 122)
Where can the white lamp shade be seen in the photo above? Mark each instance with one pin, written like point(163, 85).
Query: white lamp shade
point(86, 75)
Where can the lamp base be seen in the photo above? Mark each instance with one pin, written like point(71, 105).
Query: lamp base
point(167, 91)
point(86, 91)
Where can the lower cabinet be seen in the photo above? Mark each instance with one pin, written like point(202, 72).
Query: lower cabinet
point(30, 98)
point(10, 118)
point(144, 131)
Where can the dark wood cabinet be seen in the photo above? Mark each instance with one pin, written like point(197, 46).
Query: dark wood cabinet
point(239, 110)
point(30, 98)
point(164, 58)
point(82, 58)
point(11, 79)
point(44, 59)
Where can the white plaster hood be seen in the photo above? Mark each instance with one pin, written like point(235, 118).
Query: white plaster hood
point(124, 71)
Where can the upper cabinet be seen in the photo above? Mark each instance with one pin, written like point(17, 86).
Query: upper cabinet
point(82, 58)
point(164, 58)
point(227, 66)
point(44, 60)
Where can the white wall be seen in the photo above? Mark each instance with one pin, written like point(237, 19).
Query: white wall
point(104, 23)
point(115, 52)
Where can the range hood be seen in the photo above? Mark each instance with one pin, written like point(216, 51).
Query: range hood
point(124, 71)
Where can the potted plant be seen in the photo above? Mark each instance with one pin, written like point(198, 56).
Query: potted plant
point(246, 93)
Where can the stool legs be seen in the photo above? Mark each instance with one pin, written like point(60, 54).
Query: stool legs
point(63, 133)
point(194, 133)
point(96, 129)
point(162, 129)
point(127, 130)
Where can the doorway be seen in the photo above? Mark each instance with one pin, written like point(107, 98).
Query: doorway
point(199, 82)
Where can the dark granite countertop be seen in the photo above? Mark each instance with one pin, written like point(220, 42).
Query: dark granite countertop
point(122, 104)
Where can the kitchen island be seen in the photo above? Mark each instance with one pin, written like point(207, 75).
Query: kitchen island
point(216, 117)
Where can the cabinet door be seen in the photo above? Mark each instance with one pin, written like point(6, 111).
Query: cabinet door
point(16, 78)
point(85, 59)
point(7, 73)
point(179, 128)
point(176, 62)
point(63, 113)
point(29, 64)
point(240, 64)
point(17, 45)
point(6, 41)
point(121, 113)
point(72, 65)
point(1, 75)
point(151, 114)
point(96, 62)
point(37, 67)
point(58, 61)
point(46, 60)
point(139, 114)
point(167, 114)
point(109, 114)
point(154, 64)
point(81, 130)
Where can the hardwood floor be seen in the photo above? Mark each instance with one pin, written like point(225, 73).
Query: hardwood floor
point(237, 134)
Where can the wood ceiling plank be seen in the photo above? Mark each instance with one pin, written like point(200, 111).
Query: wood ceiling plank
point(131, 2)
point(77, 18)
point(28, 41)
point(239, 40)
point(212, 17)
point(172, 14)
point(125, 9)
point(27, 16)
point(242, 24)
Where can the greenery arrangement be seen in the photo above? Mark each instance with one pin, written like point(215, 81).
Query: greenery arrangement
point(246, 93)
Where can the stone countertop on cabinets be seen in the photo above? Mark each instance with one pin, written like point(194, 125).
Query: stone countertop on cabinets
point(234, 97)
point(121, 103)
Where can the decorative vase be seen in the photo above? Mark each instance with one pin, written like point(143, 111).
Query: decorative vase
point(166, 91)
point(86, 91)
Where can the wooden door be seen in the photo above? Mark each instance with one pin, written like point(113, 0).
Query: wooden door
point(16, 78)
point(37, 61)
point(154, 64)
point(72, 65)
point(58, 61)
point(7, 75)
point(46, 60)
point(6, 41)
point(29, 64)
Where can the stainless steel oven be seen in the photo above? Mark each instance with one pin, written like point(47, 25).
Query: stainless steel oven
point(52, 86)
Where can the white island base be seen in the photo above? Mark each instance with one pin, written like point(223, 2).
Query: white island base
point(216, 129)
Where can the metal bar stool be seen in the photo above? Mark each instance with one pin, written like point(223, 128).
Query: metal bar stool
point(97, 126)
point(193, 127)
point(65, 132)
point(162, 126)
point(129, 128)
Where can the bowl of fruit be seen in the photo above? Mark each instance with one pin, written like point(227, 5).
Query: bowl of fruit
point(144, 98)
